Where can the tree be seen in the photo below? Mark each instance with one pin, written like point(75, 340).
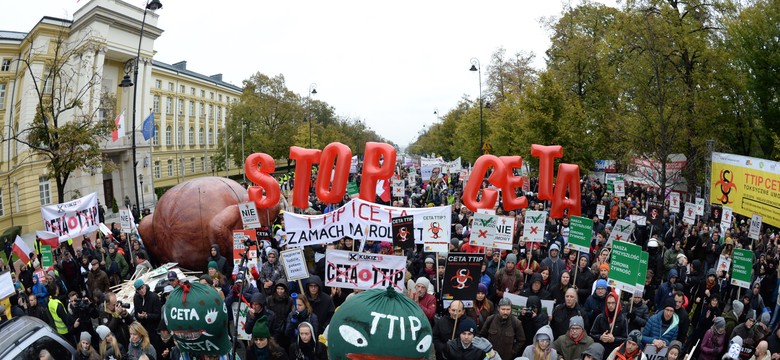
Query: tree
point(67, 128)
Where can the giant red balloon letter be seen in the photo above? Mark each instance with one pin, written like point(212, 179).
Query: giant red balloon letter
point(547, 155)
point(497, 178)
point(568, 179)
point(342, 156)
point(511, 201)
point(304, 159)
point(257, 167)
point(372, 171)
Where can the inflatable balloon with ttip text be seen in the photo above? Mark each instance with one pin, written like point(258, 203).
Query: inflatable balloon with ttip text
point(198, 320)
point(379, 325)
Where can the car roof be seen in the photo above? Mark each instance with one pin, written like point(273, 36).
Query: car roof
point(16, 330)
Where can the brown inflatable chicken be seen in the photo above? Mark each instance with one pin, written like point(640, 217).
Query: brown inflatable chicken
point(193, 215)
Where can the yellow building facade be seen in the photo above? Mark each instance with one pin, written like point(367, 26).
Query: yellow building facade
point(189, 111)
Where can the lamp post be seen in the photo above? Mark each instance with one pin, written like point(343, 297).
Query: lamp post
point(141, 180)
point(312, 91)
point(150, 5)
point(476, 67)
point(242, 144)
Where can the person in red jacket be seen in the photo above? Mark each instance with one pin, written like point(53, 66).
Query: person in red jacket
point(426, 301)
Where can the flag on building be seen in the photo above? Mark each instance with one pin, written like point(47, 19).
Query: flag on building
point(21, 250)
point(148, 128)
point(119, 127)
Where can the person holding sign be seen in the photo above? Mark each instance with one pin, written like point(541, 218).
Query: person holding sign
point(610, 328)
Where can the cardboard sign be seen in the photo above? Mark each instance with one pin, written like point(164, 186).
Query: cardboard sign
point(674, 202)
point(727, 215)
point(533, 227)
point(461, 278)
point(653, 353)
point(241, 314)
point(46, 256)
point(249, 215)
point(689, 215)
point(6, 285)
point(724, 264)
point(621, 231)
point(755, 226)
point(353, 270)
point(294, 264)
point(642, 273)
point(640, 220)
point(398, 188)
point(601, 210)
point(580, 233)
point(353, 165)
point(352, 189)
point(505, 230)
point(655, 213)
point(742, 271)
point(483, 229)
point(716, 212)
point(239, 236)
point(435, 236)
point(72, 218)
point(624, 265)
point(126, 220)
point(518, 303)
point(403, 232)
point(700, 206)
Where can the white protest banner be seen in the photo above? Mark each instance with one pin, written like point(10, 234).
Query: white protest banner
point(353, 165)
point(724, 264)
point(621, 231)
point(674, 202)
point(755, 226)
point(601, 210)
point(73, 218)
point(353, 270)
point(640, 220)
point(700, 206)
point(505, 229)
point(294, 264)
point(452, 167)
point(727, 215)
point(689, 215)
point(249, 214)
point(413, 178)
point(398, 188)
point(104, 229)
point(430, 168)
point(241, 316)
point(533, 227)
point(483, 229)
point(359, 219)
point(433, 234)
point(6, 285)
point(125, 220)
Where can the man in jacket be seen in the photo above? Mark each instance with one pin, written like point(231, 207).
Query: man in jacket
point(258, 309)
point(148, 310)
point(32, 308)
point(505, 331)
point(585, 279)
point(596, 302)
point(116, 265)
point(444, 328)
point(467, 346)
point(426, 301)
point(630, 349)
point(661, 329)
point(564, 312)
point(732, 317)
point(604, 331)
point(321, 303)
point(97, 279)
point(554, 262)
point(271, 272)
point(570, 345)
point(666, 290)
point(639, 314)
point(533, 318)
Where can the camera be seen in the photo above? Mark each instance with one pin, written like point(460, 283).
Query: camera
point(250, 242)
point(124, 305)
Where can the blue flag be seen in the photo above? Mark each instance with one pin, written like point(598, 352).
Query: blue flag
point(148, 129)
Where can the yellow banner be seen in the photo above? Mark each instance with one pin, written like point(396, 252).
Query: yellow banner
point(748, 185)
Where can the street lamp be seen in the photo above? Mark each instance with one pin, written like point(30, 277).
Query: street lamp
point(242, 144)
point(141, 179)
point(312, 91)
point(150, 5)
point(476, 67)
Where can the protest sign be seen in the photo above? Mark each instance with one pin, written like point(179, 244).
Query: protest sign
point(240, 314)
point(716, 212)
point(640, 220)
point(398, 188)
point(461, 278)
point(674, 202)
point(727, 215)
point(518, 302)
point(352, 189)
point(483, 229)
point(755, 226)
point(505, 229)
point(353, 270)
point(46, 257)
point(533, 227)
point(655, 213)
point(430, 168)
point(249, 215)
point(353, 165)
point(580, 233)
point(403, 232)
point(689, 215)
point(742, 264)
point(699, 206)
point(126, 220)
point(601, 210)
point(435, 236)
point(6, 285)
point(724, 264)
point(360, 219)
point(642, 273)
point(73, 218)
point(749, 185)
point(452, 167)
point(654, 353)
point(621, 231)
point(239, 237)
point(294, 264)
point(624, 265)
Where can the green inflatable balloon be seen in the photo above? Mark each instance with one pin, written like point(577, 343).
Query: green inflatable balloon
point(378, 324)
point(198, 320)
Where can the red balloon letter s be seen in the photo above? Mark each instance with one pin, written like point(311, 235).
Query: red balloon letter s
point(258, 166)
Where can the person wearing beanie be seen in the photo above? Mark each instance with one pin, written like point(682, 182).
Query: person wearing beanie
point(746, 330)
point(761, 328)
point(482, 307)
point(629, 349)
point(85, 349)
point(426, 301)
point(264, 346)
point(467, 346)
point(554, 262)
point(442, 328)
point(734, 349)
point(595, 303)
point(217, 279)
point(542, 345)
point(675, 351)
point(610, 328)
point(564, 312)
point(714, 340)
point(509, 278)
point(428, 269)
point(306, 346)
point(116, 265)
point(576, 340)
point(148, 310)
point(594, 352)
point(526, 263)
point(504, 331)
point(703, 319)
point(109, 347)
point(732, 316)
point(281, 304)
point(496, 262)
point(221, 264)
point(662, 328)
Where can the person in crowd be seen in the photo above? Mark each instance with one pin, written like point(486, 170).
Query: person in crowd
point(532, 317)
point(271, 272)
point(594, 352)
point(116, 265)
point(140, 343)
point(142, 265)
point(167, 349)
point(40, 291)
point(281, 304)
point(732, 316)
point(495, 262)
point(303, 313)
point(536, 288)
point(558, 289)
point(426, 301)
point(258, 309)
point(509, 278)
point(82, 310)
point(466, 346)
point(762, 352)
point(34, 309)
point(662, 327)
point(610, 328)
point(639, 312)
point(583, 279)
point(554, 262)
point(666, 290)
point(264, 346)
point(704, 321)
point(444, 327)
point(306, 347)
point(482, 306)
point(117, 319)
point(109, 348)
point(629, 349)
point(746, 330)
point(504, 331)
point(714, 341)
point(564, 311)
point(670, 256)
point(541, 347)
point(576, 340)
point(682, 314)
point(527, 264)
point(148, 310)
point(321, 303)
point(85, 350)
point(597, 301)
point(216, 256)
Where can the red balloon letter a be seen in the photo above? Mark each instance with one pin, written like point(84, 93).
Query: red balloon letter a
point(568, 180)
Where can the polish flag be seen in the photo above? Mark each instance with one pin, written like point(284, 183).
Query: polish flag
point(21, 250)
point(383, 190)
point(48, 238)
point(119, 131)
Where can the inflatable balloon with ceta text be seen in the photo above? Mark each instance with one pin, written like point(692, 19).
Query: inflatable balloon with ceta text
point(198, 320)
point(379, 324)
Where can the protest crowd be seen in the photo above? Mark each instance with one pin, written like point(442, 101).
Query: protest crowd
point(539, 300)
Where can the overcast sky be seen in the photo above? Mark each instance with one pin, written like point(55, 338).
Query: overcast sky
point(388, 63)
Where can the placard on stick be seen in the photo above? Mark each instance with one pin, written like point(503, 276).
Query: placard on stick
point(403, 231)
point(294, 264)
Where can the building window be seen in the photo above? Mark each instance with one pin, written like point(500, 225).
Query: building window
point(48, 81)
point(2, 96)
point(170, 167)
point(219, 136)
point(202, 110)
point(191, 136)
point(227, 99)
point(181, 167)
point(220, 97)
point(219, 112)
point(211, 111)
point(168, 136)
point(202, 168)
point(158, 84)
point(192, 109)
point(192, 91)
point(192, 164)
point(168, 105)
point(209, 137)
point(180, 104)
point(16, 197)
point(211, 95)
point(6, 65)
point(182, 89)
point(203, 93)
point(157, 104)
point(180, 137)
point(200, 136)
point(44, 189)
point(156, 137)
point(170, 86)
point(2, 204)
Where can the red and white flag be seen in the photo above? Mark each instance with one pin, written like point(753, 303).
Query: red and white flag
point(21, 250)
point(119, 130)
point(383, 190)
point(48, 238)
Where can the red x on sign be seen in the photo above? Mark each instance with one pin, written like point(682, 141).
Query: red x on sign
point(618, 237)
point(534, 229)
point(482, 234)
point(690, 212)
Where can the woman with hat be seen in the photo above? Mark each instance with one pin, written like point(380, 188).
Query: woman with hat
point(629, 349)
point(263, 346)
point(541, 348)
point(482, 306)
point(714, 340)
point(307, 347)
point(85, 350)
point(109, 347)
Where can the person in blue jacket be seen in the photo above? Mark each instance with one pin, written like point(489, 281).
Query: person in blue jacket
point(662, 327)
point(39, 290)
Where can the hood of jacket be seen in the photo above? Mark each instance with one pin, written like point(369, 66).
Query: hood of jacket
point(535, 302)
point(544, 330)
point(595, 350)
point(673, 273)
point(614, 295)
point(215, 246)
point(311, 328)
point(315, 279)
point(534, 278)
